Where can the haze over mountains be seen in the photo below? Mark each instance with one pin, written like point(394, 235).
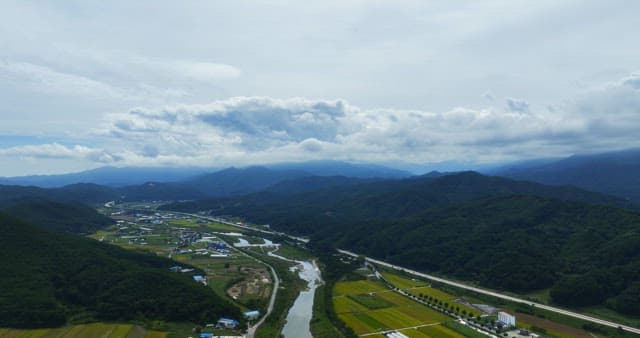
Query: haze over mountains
point(616, 173)
point(120, 177)
point(613, 173)
point(476, 226)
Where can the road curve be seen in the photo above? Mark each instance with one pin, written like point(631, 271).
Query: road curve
point(444, 281)
point(276, 284)
point(499, 295)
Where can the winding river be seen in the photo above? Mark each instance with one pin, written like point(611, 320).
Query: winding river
point(299, 316)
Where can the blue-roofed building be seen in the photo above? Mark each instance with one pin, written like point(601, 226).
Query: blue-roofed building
point(251, 315)
point(227, 323)
point(206, 335)
point(198, 278)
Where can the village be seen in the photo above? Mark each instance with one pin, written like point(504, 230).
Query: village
point(206, 252)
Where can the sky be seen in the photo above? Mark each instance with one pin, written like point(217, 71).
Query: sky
point(85, 84)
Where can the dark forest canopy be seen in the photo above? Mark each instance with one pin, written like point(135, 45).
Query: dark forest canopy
point(50, 277)
point(505, 234)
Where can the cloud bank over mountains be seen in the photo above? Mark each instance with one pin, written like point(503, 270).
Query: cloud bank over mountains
point(89, 83)
point(246, 130)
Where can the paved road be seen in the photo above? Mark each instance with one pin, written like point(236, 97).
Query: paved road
point(445, 281)
point(499, 295)
point(276, 284)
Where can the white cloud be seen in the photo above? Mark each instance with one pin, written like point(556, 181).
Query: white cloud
point(244, 130)
point(57, 151)
point(250, 130)
point(46, 80)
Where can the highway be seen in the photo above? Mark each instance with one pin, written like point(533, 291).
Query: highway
point(498, 295)
point(445, 281)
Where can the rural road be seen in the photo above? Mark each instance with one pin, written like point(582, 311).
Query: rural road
point(276, 284)
point(449, 282)
point(499, 295)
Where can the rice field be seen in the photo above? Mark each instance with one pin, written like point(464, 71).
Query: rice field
point(358, 287)
point(369, 307)
point(98, 330)
point(417, 288)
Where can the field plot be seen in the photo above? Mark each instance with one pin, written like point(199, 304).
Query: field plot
point(102, 330)
point(369, 307)
point(358, 287)
point(371, 301)
point(403, 283)
point(553, 328)
point(438, 331)
point(422, 290)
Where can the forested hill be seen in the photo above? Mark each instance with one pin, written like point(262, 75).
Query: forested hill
point(305, 213)
point(504, 234)
point(615, 173)
point(48, 278)
point(586, 254)
point(56, 216)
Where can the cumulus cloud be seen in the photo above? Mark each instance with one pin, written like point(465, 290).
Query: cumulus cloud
point(249, 130)
point(265, 129)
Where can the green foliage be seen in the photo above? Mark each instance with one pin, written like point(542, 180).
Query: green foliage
point(50, 277)
point(56, 216)
point(511, 235)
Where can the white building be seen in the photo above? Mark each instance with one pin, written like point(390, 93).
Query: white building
point(506, 319)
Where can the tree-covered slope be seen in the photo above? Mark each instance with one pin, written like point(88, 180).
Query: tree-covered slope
point(512, 235)
point(586, 254)
point(50, 277)
point(56, 216)
point(305, 213)
point(615, 173)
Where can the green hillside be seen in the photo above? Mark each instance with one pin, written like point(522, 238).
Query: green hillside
point(504, 234)
point(56, 216)
point(50, 277)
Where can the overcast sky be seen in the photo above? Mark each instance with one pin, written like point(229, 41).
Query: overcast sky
point(85, 84)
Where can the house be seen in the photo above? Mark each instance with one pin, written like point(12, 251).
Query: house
point(199, 279)
point(252, 315)
point(175, 268)
point(227, 323)
point(506, 319)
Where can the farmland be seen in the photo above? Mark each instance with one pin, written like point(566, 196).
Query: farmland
point(369, 307)
point(198, 243)
point(86, 330)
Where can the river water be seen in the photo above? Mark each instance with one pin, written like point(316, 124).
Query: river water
point(299, 316)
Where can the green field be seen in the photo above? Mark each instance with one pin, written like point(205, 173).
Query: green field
point(438, 331)
point(419, 288)
point(102, 330)
point(369, 307)
point(370, 301)
point(358, 287)
point(403, 283)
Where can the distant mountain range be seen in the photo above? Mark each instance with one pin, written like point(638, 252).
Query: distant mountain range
point(109, 176)
point(128, 176)
point(615, 173)
point(353, 199)
point(223, 183)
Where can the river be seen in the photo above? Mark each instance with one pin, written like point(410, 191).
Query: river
point(299, 316)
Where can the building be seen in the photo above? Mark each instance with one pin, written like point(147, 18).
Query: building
point(252, 315)
point(227, 323)
point(507, 319)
